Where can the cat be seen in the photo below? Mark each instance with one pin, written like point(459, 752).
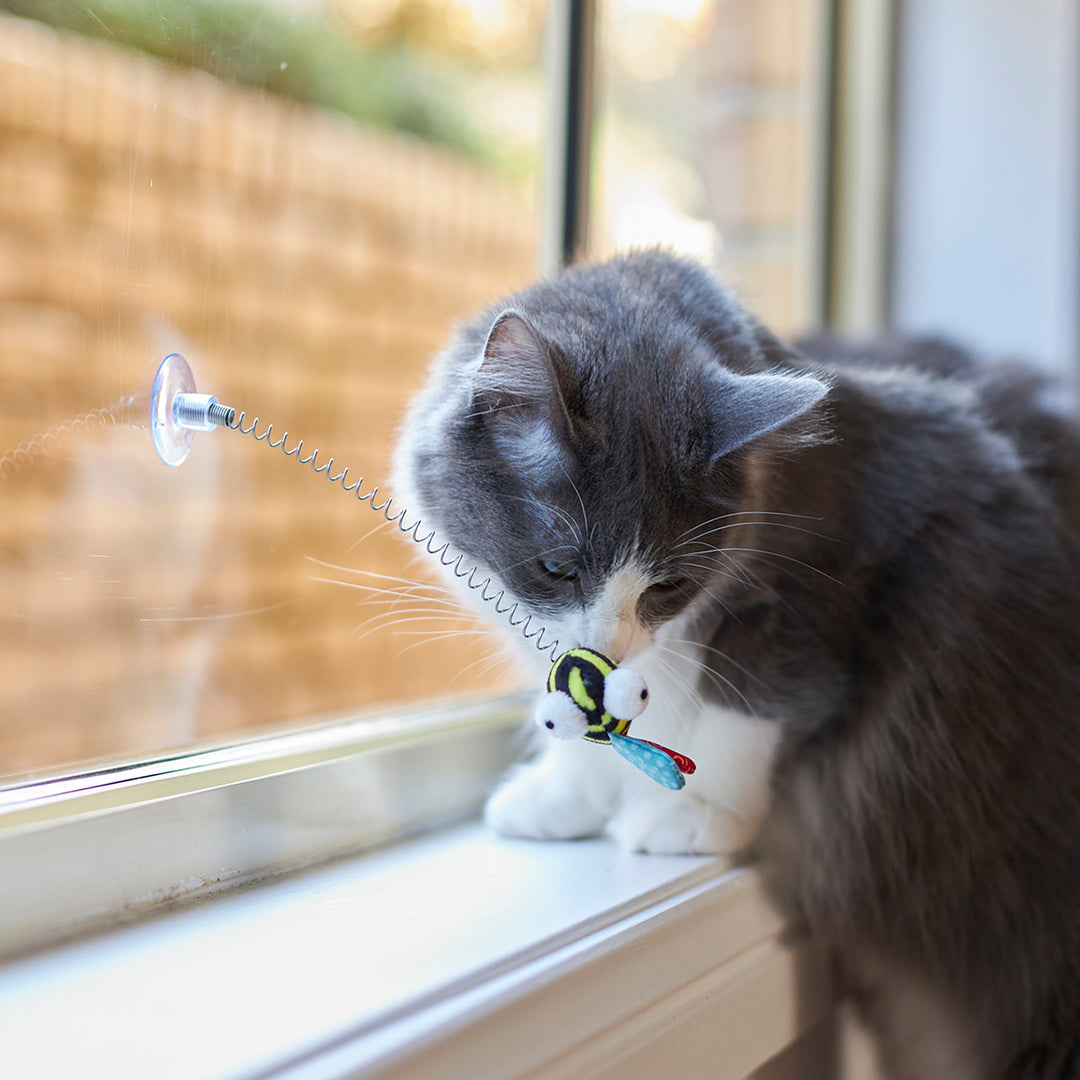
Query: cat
point(850, 577)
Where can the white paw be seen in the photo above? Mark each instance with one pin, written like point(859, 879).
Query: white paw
point(539, 804)
point(676, 823)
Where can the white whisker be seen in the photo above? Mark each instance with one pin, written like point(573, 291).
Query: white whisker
point(723, 656)
point(743, 513)
point(374, 625)
point(374, 574)
point(558, 510)
point(698, 537)
point(430, 639)
point(581, 501)
point(718, 679)
point(215, 615)
point(490, 661)
point(377, 596)
point(788, 558)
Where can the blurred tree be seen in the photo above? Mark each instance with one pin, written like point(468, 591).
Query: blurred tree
point(492, 33)
point(406, 70)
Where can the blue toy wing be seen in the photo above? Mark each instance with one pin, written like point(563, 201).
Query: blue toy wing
point(650, 760)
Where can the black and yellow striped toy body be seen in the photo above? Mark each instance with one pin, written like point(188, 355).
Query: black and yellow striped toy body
point(580, 673)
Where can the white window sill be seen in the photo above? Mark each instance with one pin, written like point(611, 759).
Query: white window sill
point(454, 954)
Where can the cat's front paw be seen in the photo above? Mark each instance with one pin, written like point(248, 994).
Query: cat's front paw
point(680, 824)
point(539, 805)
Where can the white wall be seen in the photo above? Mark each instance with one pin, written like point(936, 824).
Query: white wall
point(987, 236)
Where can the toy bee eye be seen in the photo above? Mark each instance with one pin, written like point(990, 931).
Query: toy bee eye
point(625, 693)
point(559, 571)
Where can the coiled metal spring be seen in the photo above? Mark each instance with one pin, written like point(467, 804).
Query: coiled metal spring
point(51, 440)
point(488, 590)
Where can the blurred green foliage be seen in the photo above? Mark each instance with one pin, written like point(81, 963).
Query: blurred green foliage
point(303, 54)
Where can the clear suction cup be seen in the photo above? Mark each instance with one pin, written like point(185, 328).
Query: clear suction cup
point(172, 441)
point(177, 412)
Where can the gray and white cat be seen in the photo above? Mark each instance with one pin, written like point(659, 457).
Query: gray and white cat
point(852, 580)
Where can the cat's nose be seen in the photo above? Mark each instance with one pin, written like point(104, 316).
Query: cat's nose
point(616, 639)
point(611, 624)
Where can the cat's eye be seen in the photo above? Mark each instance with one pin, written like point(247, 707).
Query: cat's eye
point(669, 585)
point(560, 571)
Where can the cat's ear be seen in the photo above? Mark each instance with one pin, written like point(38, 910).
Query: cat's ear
point(518, 379)
point(745, 407)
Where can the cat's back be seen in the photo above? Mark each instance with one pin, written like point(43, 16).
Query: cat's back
point(1014, 399)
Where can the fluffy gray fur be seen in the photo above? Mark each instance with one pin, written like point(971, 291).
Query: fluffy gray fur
point(904, 598)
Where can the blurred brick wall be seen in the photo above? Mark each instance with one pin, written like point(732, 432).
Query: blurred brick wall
point(759, 117)
point(308, 268)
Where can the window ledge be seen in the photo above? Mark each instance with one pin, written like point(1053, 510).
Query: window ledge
point(453, 954)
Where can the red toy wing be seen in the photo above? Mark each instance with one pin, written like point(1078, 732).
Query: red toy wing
point(686, 765)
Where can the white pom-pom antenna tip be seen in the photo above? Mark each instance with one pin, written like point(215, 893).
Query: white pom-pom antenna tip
point(557, 714)
point(625, 694)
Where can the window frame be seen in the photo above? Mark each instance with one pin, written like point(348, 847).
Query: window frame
point(454, 953)
point(81, 852)
point(84, 848)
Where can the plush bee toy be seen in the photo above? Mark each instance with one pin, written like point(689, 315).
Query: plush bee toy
point(590, 698)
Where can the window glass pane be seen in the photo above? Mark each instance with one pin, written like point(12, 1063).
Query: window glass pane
point(300, 198)
point(709, 137)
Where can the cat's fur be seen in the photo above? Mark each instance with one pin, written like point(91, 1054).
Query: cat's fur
point(853, 588)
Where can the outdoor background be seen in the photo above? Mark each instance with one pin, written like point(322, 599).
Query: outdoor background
point(302, 198)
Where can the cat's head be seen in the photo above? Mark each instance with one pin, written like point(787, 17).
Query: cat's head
point(590, 441)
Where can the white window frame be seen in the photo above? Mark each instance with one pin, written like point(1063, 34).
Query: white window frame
point(165, 828)
point(79, 852)
point(452, 954)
